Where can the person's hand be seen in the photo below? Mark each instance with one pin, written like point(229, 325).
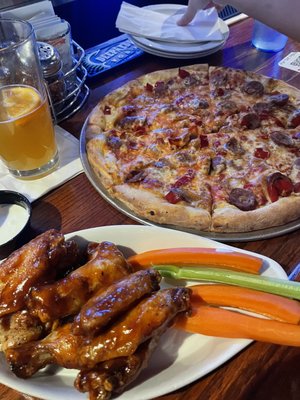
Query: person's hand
point(193, 7)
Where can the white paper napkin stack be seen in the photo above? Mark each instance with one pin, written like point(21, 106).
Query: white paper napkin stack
point(69, 166)
point(159, 26)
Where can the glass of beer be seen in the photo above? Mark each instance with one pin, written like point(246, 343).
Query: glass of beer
point(27, 138)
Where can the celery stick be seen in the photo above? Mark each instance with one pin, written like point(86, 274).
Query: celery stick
point(263, 283)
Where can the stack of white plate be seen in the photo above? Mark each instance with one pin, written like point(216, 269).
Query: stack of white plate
point(179, 50)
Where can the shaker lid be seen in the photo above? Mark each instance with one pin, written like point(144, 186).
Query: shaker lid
point(49, 58)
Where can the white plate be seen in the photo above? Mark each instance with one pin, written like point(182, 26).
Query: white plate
point(180, 358)
point(176, 55)
point(179, 48)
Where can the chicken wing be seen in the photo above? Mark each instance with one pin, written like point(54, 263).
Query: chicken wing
point(65, 297)
point(42, 259)
point(150, 317)
point(19, 328)
point(109, 302)
point(113, 376)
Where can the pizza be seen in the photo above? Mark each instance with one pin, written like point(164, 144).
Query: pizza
point(208, 148)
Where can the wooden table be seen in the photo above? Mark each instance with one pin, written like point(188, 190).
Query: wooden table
point(261, 371)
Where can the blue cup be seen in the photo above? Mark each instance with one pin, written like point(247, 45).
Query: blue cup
point(267, 39)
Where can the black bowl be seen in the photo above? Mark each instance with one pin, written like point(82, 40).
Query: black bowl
point(11, 197)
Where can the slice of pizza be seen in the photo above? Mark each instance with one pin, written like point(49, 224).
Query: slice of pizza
point(280, 106)
point(235, 92)
point(261, 188)
point(146, 119)
point(239, 210)
point(246, 100)
point(172, 190)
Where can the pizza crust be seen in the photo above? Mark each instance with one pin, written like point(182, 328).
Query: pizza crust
point(104, 163)
point(230, 219)
point(152, 207)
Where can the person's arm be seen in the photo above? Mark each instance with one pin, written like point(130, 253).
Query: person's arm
point(282, 15)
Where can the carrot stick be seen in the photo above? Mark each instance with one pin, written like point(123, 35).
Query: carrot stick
point(213, 321)
point(270, 305)
point(193, 256)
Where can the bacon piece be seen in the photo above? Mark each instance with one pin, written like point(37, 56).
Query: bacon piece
point(159, 87)
point(186, 178)
point(183, 73)
point(107, 110)
point(174, 196)
point(261, 153)
point(219, 92)
point(203, 141)
point(149, 87)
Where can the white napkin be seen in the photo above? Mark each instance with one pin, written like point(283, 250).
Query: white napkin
point(69, 166)
point(159, 26)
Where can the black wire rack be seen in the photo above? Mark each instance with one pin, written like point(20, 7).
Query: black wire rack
point(76, 90)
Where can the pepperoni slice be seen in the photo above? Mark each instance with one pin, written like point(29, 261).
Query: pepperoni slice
point(279, 185)
point(244, 199)
point(250, 121)
point(254, 88)
point(262, 109)
point(284, 186)
point(282, 139)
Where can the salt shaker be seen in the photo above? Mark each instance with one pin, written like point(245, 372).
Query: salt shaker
point(52, 72)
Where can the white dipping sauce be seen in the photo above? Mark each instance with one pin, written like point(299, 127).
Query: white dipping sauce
point(13, 218)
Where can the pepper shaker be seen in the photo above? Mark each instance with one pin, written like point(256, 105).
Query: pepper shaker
point(52, 72)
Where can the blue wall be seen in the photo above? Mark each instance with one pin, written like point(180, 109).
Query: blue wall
point(93, 21)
